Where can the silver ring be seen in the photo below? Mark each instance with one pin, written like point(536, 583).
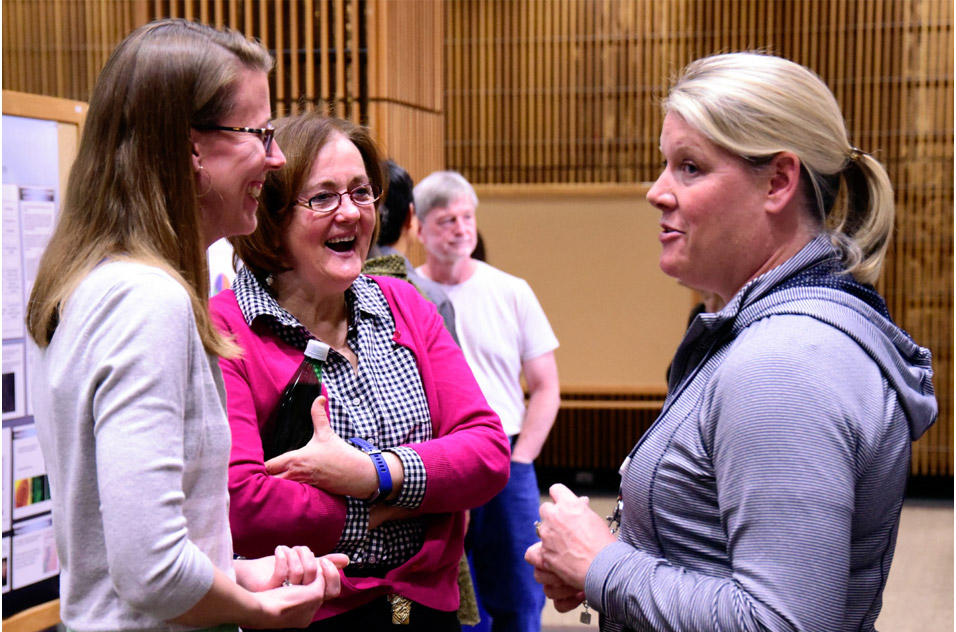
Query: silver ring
point(286, 582)
point(537, 528)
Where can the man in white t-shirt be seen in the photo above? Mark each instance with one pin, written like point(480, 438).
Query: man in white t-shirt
point(505, 335)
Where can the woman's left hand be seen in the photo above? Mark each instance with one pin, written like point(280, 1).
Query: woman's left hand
point(571, 537)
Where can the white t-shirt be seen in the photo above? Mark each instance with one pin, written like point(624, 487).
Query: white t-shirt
point(500, 324)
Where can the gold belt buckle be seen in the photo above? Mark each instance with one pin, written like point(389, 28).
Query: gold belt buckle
point(401, 609)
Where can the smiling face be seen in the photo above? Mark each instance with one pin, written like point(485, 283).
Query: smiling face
point(450, 233)
point(234, 164)
point(326, 251)
point(714, 231)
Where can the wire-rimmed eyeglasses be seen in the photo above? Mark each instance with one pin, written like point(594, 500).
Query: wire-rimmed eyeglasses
point(328, 201)
point(266, 133)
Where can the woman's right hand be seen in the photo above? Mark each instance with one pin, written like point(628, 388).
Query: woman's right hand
point(571, 537)
point(565, 596)
point(327, 461)
point(294, 606)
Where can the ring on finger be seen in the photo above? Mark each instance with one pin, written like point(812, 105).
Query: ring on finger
point(537, 528)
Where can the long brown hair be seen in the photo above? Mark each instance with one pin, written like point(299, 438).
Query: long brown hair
point(132, 190)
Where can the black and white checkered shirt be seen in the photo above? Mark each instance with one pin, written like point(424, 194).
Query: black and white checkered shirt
point(384, 403)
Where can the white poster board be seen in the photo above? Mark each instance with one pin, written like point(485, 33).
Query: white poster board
point(39, 140)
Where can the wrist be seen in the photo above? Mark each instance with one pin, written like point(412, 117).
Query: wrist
point(520, 454)
point(384, 488)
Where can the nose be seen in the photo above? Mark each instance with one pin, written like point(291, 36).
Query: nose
point(660, 195)
point(275, 159)
point(348, 210)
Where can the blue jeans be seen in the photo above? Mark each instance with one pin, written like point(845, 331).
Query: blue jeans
point(500, 532)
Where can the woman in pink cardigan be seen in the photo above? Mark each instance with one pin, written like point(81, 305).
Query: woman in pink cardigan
point(403, 441)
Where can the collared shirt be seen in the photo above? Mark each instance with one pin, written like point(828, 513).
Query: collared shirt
point(383, 402)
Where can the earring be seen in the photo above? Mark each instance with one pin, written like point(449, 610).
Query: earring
point(199, 173)
point(270, 279)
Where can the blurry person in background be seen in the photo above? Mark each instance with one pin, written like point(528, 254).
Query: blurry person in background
point(398, 232)
point(506, 337)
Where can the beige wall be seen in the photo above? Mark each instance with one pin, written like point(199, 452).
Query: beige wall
point(590, 254)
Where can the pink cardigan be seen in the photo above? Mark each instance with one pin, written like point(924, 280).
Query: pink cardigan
point(467, 461)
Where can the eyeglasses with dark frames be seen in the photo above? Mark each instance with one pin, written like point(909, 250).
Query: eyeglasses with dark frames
point(266, 133)
point(328, 201)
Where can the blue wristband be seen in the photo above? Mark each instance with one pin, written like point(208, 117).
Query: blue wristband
point(381, 468)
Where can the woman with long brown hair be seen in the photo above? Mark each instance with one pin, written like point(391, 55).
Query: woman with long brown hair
point(128, 395)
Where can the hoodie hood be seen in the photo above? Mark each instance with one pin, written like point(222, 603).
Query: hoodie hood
point(813, 284)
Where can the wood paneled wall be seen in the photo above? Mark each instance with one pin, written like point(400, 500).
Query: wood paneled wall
point(564, 91)
point(406, 83)
point(559, 91)
point(321, 48)
point(57, 47)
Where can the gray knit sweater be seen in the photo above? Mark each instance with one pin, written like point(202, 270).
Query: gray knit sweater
point(130, 413)
point(767, 494)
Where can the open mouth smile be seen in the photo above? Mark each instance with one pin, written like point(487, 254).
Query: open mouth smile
point(341, 244)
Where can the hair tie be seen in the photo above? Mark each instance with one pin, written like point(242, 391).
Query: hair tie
point(856, 154)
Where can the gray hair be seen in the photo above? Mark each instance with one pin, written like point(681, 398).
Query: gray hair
point(439, 189)
point(756, 105)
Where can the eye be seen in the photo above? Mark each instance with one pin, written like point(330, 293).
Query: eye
point(363, 193)
point(689, 168)
point(324, 198)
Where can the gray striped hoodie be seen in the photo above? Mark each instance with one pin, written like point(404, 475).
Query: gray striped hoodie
point(767, 494)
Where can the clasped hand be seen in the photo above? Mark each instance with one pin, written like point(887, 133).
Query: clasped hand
point(289, 566)
point(571, 537)
point(290, 585)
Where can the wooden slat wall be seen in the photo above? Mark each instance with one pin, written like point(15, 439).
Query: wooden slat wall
point(405, 82)
point(560, 91)
point(563, 91)
point(57, 47)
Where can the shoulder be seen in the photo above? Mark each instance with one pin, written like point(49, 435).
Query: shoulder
point(128, 304)
point(489, 271)
point(405, 303)
point(386, 265)
point(393, 288)
point(138, 286)
point(134, 275)
point(792, 339)
point(503, 281)
point(797, 361)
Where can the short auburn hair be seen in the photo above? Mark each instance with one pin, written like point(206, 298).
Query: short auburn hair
point(301, 138)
